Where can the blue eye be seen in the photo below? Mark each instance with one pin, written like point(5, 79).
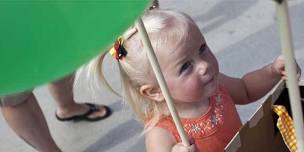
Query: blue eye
point(185, 66)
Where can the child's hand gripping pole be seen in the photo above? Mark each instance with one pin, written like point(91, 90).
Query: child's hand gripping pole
point(290, 67)
point(160, 78)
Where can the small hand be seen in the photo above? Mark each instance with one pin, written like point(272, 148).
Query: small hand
point(179, 147)
point(278, 67)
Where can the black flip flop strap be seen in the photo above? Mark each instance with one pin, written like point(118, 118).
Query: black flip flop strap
point(92, 109)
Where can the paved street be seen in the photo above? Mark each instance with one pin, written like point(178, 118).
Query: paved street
point(243, 34)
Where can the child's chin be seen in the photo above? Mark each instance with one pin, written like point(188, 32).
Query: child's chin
point(213, 88)
point(213, 85)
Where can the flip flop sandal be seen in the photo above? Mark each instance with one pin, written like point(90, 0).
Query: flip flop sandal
point(92, 109)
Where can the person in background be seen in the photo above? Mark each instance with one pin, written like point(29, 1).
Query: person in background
point(23, 113)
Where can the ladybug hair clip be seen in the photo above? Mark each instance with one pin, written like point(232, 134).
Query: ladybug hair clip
point(118, 51)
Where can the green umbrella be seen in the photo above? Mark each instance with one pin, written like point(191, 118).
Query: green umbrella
point(43, 40)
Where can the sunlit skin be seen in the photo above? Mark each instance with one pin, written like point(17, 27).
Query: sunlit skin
point(191, 72)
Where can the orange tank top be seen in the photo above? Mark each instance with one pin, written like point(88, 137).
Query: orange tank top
point(212, 131)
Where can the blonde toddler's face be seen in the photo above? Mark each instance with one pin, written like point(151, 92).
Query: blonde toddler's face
point(191, 69)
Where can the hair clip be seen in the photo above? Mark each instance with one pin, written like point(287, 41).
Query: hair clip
point(154, 5)
point(118, 51)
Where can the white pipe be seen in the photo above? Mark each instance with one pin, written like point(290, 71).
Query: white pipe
point(161, 81)
point(290, 67)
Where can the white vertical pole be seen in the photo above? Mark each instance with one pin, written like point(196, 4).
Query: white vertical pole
point(290, 67)
point(161, 81)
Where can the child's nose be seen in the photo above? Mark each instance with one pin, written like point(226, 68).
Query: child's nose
point(202, 68)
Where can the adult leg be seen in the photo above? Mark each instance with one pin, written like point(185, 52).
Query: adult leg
point(62, 91)
point(27, 120)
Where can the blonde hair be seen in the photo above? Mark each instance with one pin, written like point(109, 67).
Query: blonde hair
point(165, 28)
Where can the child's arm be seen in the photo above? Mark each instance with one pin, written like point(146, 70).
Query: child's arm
point(254, 85)
point(160, 140)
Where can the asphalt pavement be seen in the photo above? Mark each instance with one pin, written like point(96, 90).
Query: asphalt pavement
point(243, 34)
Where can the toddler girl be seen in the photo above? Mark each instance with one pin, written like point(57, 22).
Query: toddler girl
point(204, 98)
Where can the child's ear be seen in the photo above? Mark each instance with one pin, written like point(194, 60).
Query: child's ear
point(152, 92)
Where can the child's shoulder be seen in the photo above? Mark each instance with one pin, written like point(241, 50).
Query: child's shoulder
point(157, 132)
point(158, 139)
